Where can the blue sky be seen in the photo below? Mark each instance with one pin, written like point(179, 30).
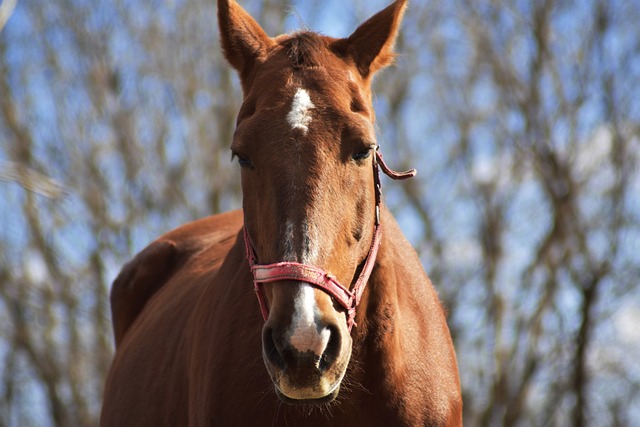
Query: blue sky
point(430, 131)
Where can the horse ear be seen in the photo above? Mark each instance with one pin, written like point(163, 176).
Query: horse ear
point(371, 44)
point(243, 40)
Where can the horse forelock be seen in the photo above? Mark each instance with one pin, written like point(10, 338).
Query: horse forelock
point(305, 49)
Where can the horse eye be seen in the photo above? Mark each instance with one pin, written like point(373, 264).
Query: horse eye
point(242, 161)
point(362, 155)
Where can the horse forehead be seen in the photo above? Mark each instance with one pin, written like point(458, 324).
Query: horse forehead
point(297, 106)
point(323, 88)
point(321, 97)
point(328, 86)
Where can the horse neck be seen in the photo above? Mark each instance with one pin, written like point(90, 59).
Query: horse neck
point(398, 280)
point(402, 344)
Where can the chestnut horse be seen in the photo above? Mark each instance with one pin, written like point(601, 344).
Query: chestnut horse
point(347, 324)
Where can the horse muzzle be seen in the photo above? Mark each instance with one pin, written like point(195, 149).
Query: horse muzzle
point(307, 350)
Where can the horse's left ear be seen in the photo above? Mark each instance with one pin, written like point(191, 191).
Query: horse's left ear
point(243, 40)
point(371, 45)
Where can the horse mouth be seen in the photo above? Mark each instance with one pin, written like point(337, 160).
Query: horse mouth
point(308, 402)
point(299, 387)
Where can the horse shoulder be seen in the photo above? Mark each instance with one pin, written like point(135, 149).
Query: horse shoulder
point(424, 351)
point(153, 267)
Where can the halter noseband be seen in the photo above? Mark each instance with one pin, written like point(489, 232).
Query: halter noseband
point(293, 271)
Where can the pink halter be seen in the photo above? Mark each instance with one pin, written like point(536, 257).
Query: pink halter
point(293, 271)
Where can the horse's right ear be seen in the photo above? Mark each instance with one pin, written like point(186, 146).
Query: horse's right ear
point(243, 40)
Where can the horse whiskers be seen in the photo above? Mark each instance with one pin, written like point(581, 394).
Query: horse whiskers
point(276, 414)
point(350, 384)
point(267, 392)
point(323, 409)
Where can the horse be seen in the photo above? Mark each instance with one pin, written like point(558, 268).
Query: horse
point(347, 329)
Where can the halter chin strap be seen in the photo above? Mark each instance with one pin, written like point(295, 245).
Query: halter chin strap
point(296, 272)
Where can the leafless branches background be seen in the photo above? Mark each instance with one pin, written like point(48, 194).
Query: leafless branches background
point(523, 119)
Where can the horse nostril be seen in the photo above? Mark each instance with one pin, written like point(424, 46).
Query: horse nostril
point(271, 349)
point(332, 350)
point(280, 353)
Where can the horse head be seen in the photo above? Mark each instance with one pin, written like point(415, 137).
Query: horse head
point(306, 144)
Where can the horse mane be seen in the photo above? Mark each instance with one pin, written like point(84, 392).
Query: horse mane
point(304, 49)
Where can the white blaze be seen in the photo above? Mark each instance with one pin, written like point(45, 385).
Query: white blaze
point(304, 335)
point(300, 115)
point(303, 332)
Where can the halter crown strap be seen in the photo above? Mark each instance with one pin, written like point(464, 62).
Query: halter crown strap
point(293, 271)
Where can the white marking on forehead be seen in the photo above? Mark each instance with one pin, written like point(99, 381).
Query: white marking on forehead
point(300, 115)
point(304, 333)
point(350, 76)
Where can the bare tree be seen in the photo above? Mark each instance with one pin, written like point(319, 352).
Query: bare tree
point(533, 107)
point(523, 119)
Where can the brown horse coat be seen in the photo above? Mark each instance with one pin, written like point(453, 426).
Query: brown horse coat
point(192, 356)
point(189, 333)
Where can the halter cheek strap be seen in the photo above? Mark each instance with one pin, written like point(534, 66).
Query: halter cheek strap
point(296, 272)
